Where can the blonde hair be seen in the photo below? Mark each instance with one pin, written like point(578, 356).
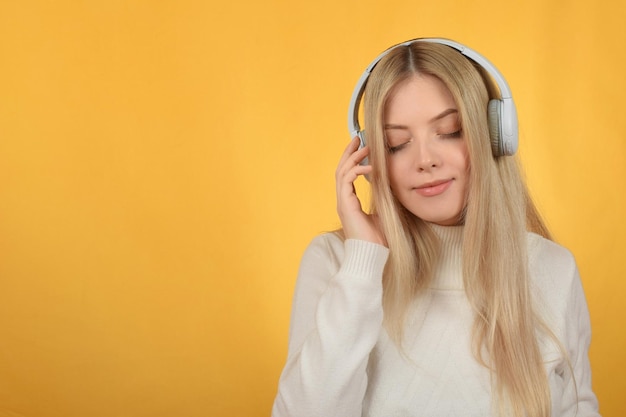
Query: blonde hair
point(497, 216)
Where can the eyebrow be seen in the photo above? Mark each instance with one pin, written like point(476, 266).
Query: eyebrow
point(440, 116)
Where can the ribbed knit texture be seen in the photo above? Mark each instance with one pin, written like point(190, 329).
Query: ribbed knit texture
point(363, 256)
point(448, 275)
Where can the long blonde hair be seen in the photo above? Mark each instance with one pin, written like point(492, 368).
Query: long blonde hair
point(497, 216)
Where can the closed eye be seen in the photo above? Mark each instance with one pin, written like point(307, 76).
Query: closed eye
point(453, 135)
point(394, 149)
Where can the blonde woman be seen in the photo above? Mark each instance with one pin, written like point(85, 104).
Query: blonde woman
point(447, 297)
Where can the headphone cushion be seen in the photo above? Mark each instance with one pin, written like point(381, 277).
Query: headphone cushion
point(495, 129)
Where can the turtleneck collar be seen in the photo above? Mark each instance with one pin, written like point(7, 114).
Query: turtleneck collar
point(449, 273)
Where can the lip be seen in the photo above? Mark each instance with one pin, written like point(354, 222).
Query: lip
point(434, 188)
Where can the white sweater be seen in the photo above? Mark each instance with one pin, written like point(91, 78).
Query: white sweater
point(342, 363)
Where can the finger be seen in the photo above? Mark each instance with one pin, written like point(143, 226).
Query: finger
point(349, 174)
point(353, 160)
point(349, 150)
point(352, 174)
point(345, 184)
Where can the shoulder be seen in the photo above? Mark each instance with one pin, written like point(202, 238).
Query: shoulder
point(320, 261)
point(326, 249)
point(555, 280)
point(548, 259)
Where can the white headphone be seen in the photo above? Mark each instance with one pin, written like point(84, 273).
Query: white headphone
point(501, 114)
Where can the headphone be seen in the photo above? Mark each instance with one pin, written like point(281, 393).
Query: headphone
point(501, 114)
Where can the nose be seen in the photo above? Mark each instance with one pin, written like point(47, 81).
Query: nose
point(427, 157)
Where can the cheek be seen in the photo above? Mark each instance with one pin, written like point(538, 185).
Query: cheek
point(461, 159)
point(393, 172)
point(398, 165)
point(466, 158)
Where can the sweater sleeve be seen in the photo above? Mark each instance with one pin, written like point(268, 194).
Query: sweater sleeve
point(579, 398)
point(335, 322)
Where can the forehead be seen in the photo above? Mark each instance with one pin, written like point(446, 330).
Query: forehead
point(420, 96)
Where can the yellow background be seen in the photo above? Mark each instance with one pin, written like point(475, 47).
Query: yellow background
point(163, 164)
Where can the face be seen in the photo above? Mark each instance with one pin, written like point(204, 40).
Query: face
point(427, 158)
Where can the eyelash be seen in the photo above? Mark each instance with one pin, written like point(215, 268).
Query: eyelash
point(453, 135)
point(394, 149)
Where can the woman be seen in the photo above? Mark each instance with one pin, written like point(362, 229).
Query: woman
point(448, 298)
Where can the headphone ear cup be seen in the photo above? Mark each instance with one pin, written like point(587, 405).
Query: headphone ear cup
point(494, 116)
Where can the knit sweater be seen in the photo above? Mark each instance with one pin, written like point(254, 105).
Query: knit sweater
point(341, 361)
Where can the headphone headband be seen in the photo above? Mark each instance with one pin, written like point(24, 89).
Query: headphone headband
point(503, 109)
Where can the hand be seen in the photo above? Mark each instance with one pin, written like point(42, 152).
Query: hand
point(356, 223)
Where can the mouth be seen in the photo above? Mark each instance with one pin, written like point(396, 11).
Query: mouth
point(434, 188)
